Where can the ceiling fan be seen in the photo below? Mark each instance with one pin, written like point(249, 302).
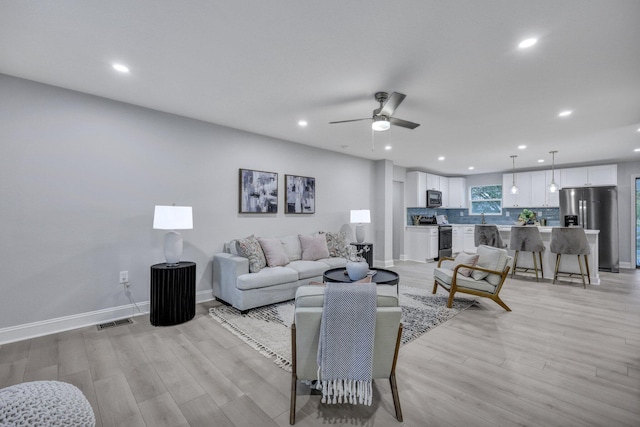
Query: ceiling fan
point(382, 116)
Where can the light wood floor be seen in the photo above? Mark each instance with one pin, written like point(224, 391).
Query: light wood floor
point(565, 356)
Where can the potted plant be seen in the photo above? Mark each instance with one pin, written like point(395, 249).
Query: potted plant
point(527, 217)
point(357, 267)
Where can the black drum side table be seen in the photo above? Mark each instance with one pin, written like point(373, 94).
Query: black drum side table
point(173, 293)
point(366, 254)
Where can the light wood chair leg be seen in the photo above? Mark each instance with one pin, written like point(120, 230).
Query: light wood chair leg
point(555, 275)
point(435, 287)
point(541, 267)
point(392, 377)
point(294, 377)
point(501, 303)
point(535, 264)
point(450, 300)
point(584, 285)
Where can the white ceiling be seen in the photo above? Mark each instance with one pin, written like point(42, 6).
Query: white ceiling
point(262, 65)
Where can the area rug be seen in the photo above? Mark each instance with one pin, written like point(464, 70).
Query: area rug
point(267, 329)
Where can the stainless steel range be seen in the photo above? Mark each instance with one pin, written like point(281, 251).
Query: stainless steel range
point(445, 234)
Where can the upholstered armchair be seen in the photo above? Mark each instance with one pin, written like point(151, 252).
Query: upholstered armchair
point(482, 274)
point(305, 334)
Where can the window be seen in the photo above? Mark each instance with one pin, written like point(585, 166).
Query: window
point(486, 199)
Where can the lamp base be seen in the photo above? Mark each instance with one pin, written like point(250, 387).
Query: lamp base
point(359, 233)
point(172, 247)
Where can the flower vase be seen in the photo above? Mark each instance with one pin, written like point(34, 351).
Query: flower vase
point(357, 270)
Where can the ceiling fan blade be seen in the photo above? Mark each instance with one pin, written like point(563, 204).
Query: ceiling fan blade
point(403, 123)
point(347, 121)
point(392, 103)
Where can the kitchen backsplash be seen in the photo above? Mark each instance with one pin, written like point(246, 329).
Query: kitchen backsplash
point(454, 215)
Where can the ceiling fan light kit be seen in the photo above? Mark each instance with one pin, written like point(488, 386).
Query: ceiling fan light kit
point(382, 117)
point(380, 123)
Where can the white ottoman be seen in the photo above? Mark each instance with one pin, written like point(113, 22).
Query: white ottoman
point(44, 403)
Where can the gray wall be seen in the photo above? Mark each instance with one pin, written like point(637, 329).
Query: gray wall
point(79, 178)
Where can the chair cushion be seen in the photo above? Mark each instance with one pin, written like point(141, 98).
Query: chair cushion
point(466, 259)
point(308, 269)
point(526, 239)
point(274, 252)
point(314, 247)
point(313, 296)
point(444, 276)
point(492, 259)
point(569, 240)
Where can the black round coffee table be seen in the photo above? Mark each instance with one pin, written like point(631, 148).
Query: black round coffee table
point(382, 276)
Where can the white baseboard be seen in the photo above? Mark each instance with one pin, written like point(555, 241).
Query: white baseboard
point(382, 264)
point(61, 324)
point(626, 265)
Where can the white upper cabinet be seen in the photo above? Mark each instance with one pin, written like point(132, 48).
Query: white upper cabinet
point(523, 197)
point(433, 182)
point(416, 190)
point(589, 176)
point(444, 187)
point(540, 194)
point(457, 193)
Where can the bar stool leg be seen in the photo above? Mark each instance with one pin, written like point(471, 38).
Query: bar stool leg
point(584, 285)
point(555, 275)
point(541, 268)
point(586, 262)
point(535, 264)
point(515, 262)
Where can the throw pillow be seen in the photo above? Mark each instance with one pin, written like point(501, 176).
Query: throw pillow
point(274, 252)
point(337, 244)
point(313, 247)
point(466, 259)
point(492, 259)
point(250, 248)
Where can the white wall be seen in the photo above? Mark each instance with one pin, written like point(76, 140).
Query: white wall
point(79, 178)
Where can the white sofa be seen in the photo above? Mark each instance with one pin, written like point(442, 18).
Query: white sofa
point(234, 284)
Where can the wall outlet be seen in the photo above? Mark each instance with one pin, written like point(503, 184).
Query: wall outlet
point(507, 214)
point(461, 214)
point(124, 277)
point(540, 214)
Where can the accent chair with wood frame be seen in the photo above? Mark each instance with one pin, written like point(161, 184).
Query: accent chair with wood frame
point(305, 334)
point(484, 279)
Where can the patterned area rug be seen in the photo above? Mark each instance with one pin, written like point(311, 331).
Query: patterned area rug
point(267, 329)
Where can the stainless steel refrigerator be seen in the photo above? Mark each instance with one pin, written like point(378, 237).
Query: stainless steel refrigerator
point(594, 208)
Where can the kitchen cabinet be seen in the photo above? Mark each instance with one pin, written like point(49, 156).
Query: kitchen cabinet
point(469, 239)
point(433, 182)
point(421, 243)
point(540, 194)
point(523, 197)
point(589, 176)
point(457, 193)
point(444, 187)
point(416, 190)
point(457, 233)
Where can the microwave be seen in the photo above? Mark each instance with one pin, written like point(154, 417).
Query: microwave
point(434, 198)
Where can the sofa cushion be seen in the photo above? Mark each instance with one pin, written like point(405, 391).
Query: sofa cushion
point(313, 296)
point(492, 259)
point(274, 252)
point(466, 259)
point(292, 247)
point(308, 269)
point(333, 262)
point(268, 276)
point(250, 248)
point(337, 243)
point(445, 276)
point(313, 247)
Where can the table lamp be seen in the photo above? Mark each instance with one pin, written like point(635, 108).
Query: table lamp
point(173, 218)
point(360, 217)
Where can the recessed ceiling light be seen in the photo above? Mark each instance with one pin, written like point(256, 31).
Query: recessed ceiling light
point(387, 147)
point(540, 160)
point(121, 68)
point(637, 149)
point(441, 158)
point(527, 43)
point(638, 129)
point(565, 113)
point(302, 123)
point(471, 168)
point(521, 147)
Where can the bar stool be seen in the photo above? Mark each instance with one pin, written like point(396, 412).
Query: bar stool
point(570, 241)
point(526, 239)
point(488, 234)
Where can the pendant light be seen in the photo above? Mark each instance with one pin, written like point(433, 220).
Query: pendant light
point(514, 187)
point(553, 187)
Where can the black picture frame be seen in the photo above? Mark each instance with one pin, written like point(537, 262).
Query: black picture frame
point(258, 192)
point(300, 194)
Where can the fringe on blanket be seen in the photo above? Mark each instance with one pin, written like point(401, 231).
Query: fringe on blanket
point(346, 391)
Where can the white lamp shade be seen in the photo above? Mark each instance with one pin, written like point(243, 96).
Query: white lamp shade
point(361, 216)
point(173, 218)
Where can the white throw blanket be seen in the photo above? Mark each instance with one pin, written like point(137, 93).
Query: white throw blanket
point(345, 349)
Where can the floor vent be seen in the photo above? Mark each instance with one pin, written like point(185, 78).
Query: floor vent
point(114, 324)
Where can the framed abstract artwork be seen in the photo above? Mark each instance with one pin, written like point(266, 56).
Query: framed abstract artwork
point(258, 192)
point(300, 194)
